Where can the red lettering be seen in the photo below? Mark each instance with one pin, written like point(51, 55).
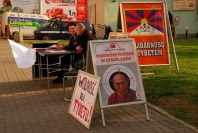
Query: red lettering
point(81, 110)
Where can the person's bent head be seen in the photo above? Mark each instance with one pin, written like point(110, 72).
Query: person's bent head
point(71, 28)
point(120, 84)
point(80, 27)
point(7, 3)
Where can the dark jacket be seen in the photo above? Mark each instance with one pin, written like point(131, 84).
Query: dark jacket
point(84, 38)
point(72, 43)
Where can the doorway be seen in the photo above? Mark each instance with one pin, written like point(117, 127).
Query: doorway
point(172, 24)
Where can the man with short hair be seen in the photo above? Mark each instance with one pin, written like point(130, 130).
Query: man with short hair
point(83, 37)
point(122, 93)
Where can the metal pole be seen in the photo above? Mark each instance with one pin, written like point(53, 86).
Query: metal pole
point(18, 20)
point(47, 60)
point(103, 119)
point(95, 13)
point(39, 2)
point(170, 36)
point(146, 109)
point(187, 32)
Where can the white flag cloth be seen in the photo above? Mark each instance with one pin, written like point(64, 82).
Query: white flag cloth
point(23, 56)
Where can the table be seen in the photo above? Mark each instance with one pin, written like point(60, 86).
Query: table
point(47, 53)
point(35, 67)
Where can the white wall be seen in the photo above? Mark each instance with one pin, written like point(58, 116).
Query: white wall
point(187, 18)
point(96, 16)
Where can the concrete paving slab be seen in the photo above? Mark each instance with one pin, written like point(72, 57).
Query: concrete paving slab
point(27, 107)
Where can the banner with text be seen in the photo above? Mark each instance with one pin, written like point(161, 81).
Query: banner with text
point(65, 9)
point(115, 61)
point(146, 23)
point(83, 98)
point(118, 35)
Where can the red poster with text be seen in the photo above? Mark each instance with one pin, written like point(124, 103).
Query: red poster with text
point(65, 9)
point(146, 23)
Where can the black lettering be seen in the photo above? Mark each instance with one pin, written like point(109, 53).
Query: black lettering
point(87, 85)
point(82, 96)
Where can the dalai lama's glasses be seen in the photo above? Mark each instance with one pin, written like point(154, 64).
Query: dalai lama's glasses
point(120, 83)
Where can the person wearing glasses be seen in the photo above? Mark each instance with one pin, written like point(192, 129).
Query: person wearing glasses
point(122, 92)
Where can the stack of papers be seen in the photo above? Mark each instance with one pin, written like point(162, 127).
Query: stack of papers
point(51, 50)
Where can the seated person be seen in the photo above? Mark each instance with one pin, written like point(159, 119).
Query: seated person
point(78, 43)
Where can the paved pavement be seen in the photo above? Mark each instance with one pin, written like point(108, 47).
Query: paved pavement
point(27, 107)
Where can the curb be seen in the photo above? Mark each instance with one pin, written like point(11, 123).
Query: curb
point(172, 117)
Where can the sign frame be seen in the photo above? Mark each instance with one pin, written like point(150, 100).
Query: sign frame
point(92, 64)
point(148, 54)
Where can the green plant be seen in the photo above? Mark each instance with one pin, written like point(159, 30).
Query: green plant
point(60, 41)
point(172, 90)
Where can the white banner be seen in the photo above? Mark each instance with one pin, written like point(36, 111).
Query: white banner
point(23, 56)
point(113, 52)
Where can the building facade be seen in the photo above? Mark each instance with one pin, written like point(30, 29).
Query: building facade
point(183, 20)
point(183, 14)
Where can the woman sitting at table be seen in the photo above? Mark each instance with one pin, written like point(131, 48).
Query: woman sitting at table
point(66, 60)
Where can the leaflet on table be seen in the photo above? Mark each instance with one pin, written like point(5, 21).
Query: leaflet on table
point(40, 48)
point(52, 50)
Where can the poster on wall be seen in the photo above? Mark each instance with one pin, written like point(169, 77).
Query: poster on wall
point(146, 23)
point(115, 61)
point(22, 6)
point(184, 4)
point(65, 9)
point(84, 97)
